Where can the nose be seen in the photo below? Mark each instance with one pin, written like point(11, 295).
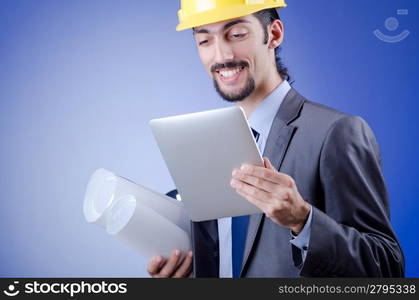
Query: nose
point(223, 51)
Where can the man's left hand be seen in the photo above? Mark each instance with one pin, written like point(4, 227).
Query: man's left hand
point(273, 192)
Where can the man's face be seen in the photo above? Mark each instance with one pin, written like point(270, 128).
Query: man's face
point(234, 55)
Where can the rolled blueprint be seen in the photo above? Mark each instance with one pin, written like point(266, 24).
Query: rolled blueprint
point(147, 221)
point(144, 230)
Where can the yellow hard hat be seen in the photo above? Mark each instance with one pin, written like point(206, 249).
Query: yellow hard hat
point(195, 13)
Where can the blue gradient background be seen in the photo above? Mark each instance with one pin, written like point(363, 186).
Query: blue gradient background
point(79, 80)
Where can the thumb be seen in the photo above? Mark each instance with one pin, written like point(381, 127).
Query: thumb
point(268, 164)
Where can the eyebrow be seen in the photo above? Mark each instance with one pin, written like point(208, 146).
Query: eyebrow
point(225, 27)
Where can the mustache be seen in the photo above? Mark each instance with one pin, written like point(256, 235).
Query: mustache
point(229, 64)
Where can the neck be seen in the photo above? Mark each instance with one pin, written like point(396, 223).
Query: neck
point(270, 83)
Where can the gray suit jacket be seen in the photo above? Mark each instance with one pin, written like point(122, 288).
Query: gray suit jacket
point(335, 161)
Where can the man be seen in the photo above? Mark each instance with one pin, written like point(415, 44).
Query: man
point(325, 204)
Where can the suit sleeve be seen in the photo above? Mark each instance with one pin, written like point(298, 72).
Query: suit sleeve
point(351, 235)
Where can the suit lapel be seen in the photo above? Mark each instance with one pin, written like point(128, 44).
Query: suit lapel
point(277, 143)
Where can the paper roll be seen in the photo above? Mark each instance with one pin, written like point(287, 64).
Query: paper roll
point(147, 221)
point(144, 230)
point(104, 186)
point(99, 195)
point(167, 207)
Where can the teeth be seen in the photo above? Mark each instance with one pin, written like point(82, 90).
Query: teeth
point(230, 73)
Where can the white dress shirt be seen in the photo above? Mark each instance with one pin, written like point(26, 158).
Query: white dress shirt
point(260, 120)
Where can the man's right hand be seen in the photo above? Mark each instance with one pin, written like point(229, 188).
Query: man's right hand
point(160, 267)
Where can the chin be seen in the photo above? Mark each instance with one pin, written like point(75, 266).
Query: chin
point(237, 92)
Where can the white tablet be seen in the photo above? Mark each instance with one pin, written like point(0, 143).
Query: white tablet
point(201, 150)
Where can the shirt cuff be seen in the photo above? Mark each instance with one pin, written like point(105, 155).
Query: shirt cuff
point(302, 240)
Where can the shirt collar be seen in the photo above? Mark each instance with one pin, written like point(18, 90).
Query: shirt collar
point(262, 117)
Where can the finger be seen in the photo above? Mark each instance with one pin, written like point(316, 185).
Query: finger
point(268, 164)
point(261, 172)
point(260, 204)
point(153, 267)
point(169, 268)
point(185, 267)
point(267, 174)
point(269, 210)
point(251, 190)
point(261, 183)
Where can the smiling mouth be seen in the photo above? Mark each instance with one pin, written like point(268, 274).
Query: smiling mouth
point(229, 73)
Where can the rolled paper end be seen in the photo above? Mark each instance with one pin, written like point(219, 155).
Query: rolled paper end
point(99, 195)
point(120, 213)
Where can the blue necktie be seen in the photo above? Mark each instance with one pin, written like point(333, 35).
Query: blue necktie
point(238, 235)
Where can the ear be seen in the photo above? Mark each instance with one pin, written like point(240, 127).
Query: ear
point(276, 34)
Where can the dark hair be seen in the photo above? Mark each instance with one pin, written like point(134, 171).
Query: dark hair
point(266, 17)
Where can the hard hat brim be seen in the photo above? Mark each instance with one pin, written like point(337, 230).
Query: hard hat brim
point(217, 15)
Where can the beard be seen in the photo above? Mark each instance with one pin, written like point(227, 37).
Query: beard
point(248, 88)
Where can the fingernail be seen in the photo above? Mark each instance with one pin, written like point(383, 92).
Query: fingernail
point(190, 254)
point(177, 252)
point(244, 167)
point(158, 259)
point(233, 183)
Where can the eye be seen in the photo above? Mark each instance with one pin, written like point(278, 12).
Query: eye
point(238, 35)
point(202, 42)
